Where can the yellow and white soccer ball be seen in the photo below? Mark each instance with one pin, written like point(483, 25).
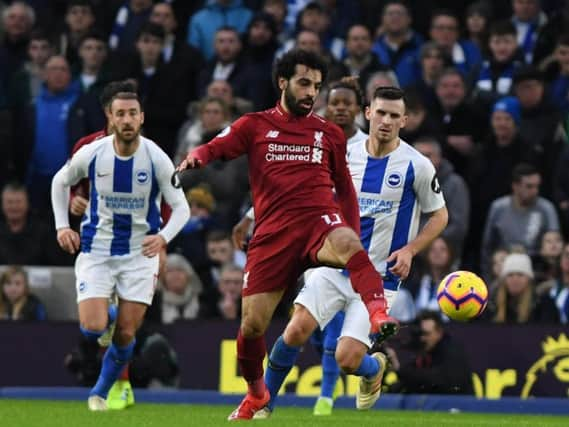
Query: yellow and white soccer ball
point(462, 295)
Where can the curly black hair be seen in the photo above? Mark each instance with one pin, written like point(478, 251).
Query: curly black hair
point(286, 65)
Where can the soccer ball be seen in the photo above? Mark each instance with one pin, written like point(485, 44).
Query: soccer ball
point(462, 295)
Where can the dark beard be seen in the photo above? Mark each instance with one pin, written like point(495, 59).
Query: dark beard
point(125, 140)
point(293, 104)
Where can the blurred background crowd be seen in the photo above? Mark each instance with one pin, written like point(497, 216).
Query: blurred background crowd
point(488, 101)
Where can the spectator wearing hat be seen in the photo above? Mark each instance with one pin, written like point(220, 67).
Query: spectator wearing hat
point(520, 218)
point(181, 289)
point(553, 294)
point(514, 299)
point(259, 47)
point(492, 165)
point(541, 122)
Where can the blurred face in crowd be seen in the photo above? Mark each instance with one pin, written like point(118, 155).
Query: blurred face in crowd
point(150, 49)
point(415, 118)
point(176, 280)
point(433, 153)
point(475, 23)
point(432, 63)
point(277, 10)
point(57, 74)
point(529, 92)
point(342, 107)
point(439, 254)
point(309, 41)
point(564, 263)
point(93, 53)
point(386, 117)
point(17, 22)
point(504, 127)
point(444, 31)
point(498, 258)
point(525, 10)
point(39, 51)
point(358, 42)
point(450, 91)
point(300, 91)
point(162, 14)
point(260, 33)
point(314, 20)
point(396, 19)
point(15, 205)
point(562, 56)
point(79, 18)
point(551, 244)
point(221, 89)
point(431, 334)
point(230, 284)
point(138, 6)
point(14, 287)
point(516, 283)
point(227, 46)
point(220, 251)
point(526, 190)
point(126, 119)
point(213, 116)
point(503, 47)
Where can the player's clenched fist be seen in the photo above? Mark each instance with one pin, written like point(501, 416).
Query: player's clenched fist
point(68, 240)
point(189, 163)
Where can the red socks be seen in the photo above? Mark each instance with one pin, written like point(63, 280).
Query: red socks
point(250, 354)
point(366, 281)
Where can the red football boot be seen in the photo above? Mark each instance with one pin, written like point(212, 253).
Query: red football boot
point(382, 325)
point(249, 406)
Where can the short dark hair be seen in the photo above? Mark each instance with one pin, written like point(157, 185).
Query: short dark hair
point(444, 12)
point(217, 236)
point(152, 29)
point(16, 186)
point(450, 71)
point(39, 34)
point(563, 40)
point(349, 85)
point(81, 3)
point(227, 28)
point(286, 65)
point(95, 35)
point(502, 28)
point(435, 316)
point(522, 170)
point(389, 92)
point(126, 96)
point(112, 88)
point(397, 2)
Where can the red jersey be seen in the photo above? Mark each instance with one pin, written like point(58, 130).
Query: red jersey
point(295, 163)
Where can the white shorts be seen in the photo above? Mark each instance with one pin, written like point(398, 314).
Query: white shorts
point(327, 291)
point(134, 277)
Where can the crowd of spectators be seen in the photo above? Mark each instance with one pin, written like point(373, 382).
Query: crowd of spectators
point(487, 85)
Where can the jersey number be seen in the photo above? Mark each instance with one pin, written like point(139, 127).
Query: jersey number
point(332, 220)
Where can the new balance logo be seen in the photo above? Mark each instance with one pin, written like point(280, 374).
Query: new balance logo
point(272, 134)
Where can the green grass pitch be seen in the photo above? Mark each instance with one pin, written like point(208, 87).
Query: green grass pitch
point(40, 413)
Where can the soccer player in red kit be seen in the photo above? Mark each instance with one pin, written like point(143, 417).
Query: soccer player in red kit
point(296, 161)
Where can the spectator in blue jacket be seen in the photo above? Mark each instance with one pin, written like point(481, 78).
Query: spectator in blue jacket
point(51, 140)
point(214, 15)
point(445, 31)
point(398, 46)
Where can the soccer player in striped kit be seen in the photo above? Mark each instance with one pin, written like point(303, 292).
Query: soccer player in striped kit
point(120, 233)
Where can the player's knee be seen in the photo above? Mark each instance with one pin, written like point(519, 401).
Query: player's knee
point(346, 244)
point(296, 334)
point(124, 335)
point(95, 324)
point(252, 328)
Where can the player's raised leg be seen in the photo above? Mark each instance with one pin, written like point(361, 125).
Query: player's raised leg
point(120, 352)
point(342, 247)
point(256, 313)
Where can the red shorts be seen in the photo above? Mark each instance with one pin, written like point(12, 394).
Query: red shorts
point(275, 260)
